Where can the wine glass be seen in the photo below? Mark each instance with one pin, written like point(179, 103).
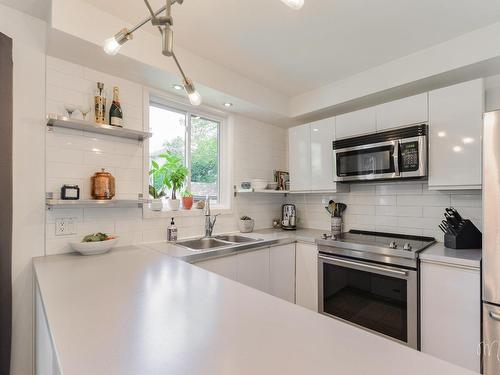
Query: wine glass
point(70, 108)
point(84, 109)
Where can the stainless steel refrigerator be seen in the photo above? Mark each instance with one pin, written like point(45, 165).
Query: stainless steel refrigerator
point(491, 244)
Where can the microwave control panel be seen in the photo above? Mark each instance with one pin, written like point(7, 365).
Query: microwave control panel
point(409, 156)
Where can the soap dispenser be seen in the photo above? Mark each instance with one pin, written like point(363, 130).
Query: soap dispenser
point(172, 232)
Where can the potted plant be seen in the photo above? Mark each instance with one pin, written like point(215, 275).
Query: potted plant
point(156, 187)
point(187, 200)
point(246, 224)
point(175, 173)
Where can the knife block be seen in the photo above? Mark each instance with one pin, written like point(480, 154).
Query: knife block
point(467, 237)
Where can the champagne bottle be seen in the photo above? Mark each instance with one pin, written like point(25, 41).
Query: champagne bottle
point(100, 104)
point(115, 111)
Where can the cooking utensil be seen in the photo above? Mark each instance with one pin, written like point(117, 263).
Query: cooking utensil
point(453, 212)
point(449, 227)
point(443, 228)
point(452, 220)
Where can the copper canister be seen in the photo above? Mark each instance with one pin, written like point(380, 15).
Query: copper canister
point(103, 185)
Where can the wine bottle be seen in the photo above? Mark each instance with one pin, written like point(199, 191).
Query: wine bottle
point(115, 111)
point(100, 104)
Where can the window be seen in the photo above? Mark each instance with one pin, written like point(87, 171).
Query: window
point(195, 138)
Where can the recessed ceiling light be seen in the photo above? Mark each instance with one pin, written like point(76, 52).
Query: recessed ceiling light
point(442, 134)
point(227, 104)
point(457, 148)
point(177, 87)
point(467, 140)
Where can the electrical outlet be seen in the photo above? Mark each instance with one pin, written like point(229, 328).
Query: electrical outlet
point(65, 226)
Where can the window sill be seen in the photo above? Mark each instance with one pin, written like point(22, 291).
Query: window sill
point(147, 213)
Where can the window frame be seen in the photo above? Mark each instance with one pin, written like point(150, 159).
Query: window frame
point(163, 100)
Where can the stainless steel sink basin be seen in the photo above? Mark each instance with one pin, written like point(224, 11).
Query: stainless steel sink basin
point(236, 239)
point(203, 244)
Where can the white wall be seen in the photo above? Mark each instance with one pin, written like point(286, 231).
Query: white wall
point(28, 36)
point(73, 156)
point(404, 207)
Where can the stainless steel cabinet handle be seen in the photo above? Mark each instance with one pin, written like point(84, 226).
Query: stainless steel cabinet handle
point(494, 316)
point(395, 155)
point(365, 266)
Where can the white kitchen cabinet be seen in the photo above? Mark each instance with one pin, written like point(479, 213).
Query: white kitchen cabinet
point(356, 123)
point(455, 123)
point(450, 313)
point(306, 273)
point(225, 266)
point(299, 158)
point(282, 272)
point(403, 112)
point(253, 269)
point(322, 136)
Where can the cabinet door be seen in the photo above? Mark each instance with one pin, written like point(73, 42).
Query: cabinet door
point(225, 266)
point(282, 272)
point(307, 276)
point(455, 119)
point(450, 313)
point(355, 123)
point(403, 112)
point(322, 136)
point(299, 158)
point(253, 269)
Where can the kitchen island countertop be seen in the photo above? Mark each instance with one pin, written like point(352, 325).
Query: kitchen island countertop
point(137, 311)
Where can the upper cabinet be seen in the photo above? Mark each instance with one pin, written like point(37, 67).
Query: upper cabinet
point(322, 136)
point(311, 157)
point(299, 158)
point(356, 123)
point(455, 123)
point(403, 112)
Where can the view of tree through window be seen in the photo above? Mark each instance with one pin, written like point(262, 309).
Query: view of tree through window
point(193, 138)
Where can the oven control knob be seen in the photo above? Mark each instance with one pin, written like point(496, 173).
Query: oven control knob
point(393, 245)
point(407, 246)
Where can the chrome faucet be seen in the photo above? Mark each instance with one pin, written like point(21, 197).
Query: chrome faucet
point(209, 223)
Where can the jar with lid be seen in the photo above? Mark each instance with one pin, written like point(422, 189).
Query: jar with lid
point(103, 185)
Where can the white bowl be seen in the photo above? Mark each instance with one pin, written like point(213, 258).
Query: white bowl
point(93, 248)
point(259, 184)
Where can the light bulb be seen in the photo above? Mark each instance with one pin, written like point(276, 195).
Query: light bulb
point(294, 4)
point(112, 45)
point(193, 95)
point(195, 98)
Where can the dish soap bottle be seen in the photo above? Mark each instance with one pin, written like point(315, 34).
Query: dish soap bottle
point(172, 232)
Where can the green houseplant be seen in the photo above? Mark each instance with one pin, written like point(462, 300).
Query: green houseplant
point(156, 187)
point(170, 174)
point(187, 199)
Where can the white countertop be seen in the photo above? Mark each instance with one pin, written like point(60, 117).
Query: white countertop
point(137, 311)
point(441, 254)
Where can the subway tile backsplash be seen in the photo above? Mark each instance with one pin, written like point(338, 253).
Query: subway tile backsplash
point(402, 207)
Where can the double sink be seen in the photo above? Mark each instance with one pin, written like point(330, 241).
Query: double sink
point(216, 242)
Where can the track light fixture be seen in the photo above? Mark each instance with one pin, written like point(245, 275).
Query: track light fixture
point(164, 24)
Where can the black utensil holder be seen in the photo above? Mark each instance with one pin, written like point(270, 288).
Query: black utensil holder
point(467, 237)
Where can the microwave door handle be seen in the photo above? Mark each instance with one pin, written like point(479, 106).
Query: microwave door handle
point(395, 157)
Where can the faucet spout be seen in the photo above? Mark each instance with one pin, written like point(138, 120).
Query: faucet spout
point(209, 222)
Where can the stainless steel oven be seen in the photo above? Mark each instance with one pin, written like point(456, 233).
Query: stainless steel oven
point(395, 154)
point(379, 298)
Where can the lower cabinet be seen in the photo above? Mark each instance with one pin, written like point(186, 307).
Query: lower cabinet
point(271, 270)
point(451, 313)
point(306, 282)
point(282, 272)
point(252, 269)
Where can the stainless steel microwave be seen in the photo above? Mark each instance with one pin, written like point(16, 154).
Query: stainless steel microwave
point(395, 154)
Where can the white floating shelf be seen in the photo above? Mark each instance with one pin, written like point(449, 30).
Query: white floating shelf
point(259, 191)
point(93, 203)
point(69, 123)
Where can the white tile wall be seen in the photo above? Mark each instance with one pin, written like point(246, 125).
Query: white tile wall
point(73, 156)
point(404, 207)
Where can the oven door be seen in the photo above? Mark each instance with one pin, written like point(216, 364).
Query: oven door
point(375, 297)
point(367, 162)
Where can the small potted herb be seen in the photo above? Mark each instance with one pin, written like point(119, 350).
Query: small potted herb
point(246, 224)
point(187, 200)
point(157, 195)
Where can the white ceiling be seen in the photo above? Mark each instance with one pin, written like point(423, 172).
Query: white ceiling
point(293, 52)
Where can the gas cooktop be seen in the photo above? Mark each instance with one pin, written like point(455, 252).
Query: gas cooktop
point(377, 246)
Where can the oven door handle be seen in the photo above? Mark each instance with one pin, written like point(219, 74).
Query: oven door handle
point(395, 156)
point(364, 266)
